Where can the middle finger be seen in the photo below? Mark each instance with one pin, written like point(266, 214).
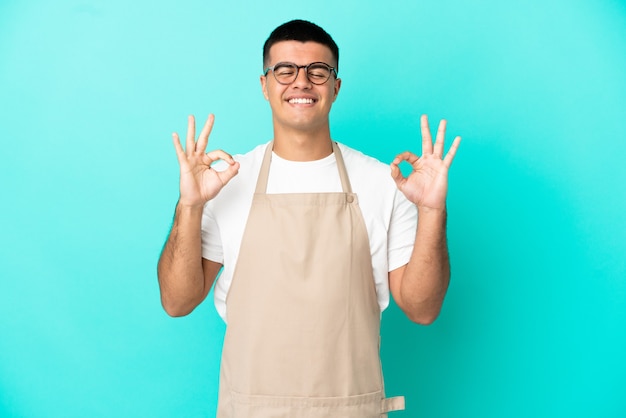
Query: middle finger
point(427, 141)
point(203, 139)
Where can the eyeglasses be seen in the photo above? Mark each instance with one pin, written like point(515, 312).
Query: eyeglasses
point(287, 72)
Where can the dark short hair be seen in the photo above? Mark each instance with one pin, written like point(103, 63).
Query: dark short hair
point(303, 31)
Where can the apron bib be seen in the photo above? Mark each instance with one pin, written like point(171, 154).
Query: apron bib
point(303, 322)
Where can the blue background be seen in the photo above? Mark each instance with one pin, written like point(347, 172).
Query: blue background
point(535, 319)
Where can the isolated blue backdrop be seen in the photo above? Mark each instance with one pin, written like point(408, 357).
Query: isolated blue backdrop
point(534, 324)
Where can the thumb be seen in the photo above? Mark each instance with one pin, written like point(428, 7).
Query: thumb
point(229, 173)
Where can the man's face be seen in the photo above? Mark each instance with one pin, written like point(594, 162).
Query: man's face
point(301, 105)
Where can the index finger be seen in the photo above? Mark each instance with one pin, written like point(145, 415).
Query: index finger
point(407, 156)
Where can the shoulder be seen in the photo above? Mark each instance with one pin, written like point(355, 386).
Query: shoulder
point(351, 155)
point(249, 164)
point(366, 169)
point(249, 159)
point(242, 185)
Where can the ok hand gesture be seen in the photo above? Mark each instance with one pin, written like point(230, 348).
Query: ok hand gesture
point(427, 185)
point(199, 182)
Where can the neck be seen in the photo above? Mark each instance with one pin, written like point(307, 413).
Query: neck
point(296, 145)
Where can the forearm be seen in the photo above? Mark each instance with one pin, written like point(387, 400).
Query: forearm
point(179, 270)
point(425, 279)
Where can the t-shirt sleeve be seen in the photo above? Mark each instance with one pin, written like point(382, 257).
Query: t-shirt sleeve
point(402, 229)
point(211, 240)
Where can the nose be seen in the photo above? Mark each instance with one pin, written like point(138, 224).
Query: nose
point(302, 80)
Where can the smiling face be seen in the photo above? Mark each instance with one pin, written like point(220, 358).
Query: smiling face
point(301, 106)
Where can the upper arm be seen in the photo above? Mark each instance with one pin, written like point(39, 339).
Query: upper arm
point(395, 283)
point(210, 270)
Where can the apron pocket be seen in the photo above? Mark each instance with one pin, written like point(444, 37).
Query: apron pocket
point(358, 406)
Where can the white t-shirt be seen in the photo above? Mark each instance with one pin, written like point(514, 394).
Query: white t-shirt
point(390, 219)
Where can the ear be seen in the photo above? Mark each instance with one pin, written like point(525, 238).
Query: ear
point(263, 80)
point(337, 87)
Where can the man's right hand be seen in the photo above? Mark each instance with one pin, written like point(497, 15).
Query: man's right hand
point(199, 182)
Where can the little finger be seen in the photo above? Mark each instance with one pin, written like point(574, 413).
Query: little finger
point(452, 151)
point(180, 152)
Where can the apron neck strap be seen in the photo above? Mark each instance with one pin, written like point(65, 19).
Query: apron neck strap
point(261, 184)
point(341, 166)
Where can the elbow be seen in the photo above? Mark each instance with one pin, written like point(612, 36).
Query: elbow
point(423, 318)
point(174, 302)
point(424, 313)
point(175, 312)
point(176, 309)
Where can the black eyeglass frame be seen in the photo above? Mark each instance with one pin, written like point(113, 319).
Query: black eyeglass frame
point(331, 70)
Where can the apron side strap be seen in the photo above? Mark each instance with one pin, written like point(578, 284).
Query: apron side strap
point(392, 404)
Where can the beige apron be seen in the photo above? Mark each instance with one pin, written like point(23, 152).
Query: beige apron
point(302, 338)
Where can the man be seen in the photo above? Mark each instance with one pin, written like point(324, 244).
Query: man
point(312, 237)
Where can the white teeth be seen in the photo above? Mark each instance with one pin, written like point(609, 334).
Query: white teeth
point(301, 101)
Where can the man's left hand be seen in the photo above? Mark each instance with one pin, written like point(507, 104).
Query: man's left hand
point(427, 185)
